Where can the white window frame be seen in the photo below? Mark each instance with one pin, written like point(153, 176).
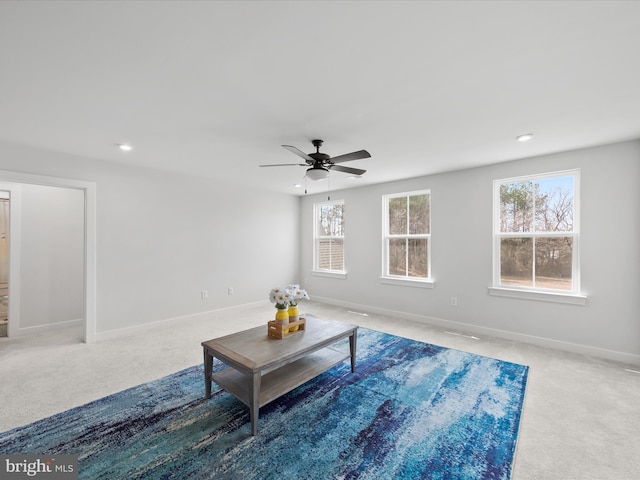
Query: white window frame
point(323, 272)
point(573, 296)
point(385, 277)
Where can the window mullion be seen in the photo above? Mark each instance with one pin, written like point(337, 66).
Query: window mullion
point(406, 239)
point(534, 231)
point(408, 215)
point(406, 256)
point(533, 264)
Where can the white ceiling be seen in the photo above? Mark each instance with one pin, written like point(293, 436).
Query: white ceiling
point(214, 88)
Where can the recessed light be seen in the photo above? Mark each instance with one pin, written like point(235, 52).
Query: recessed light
point(124, 147)
point(525, 137)
point(297, 185)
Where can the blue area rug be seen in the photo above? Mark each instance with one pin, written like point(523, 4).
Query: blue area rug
point(412, 410)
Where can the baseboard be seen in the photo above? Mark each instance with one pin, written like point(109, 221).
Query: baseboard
point(588, 350)
point(109, 334)
point(50, 327)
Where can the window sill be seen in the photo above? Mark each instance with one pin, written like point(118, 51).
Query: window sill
point(408, 282)
point(329, 274)
point(568, 298)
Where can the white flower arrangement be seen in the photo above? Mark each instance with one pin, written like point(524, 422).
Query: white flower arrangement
point(296, 294)
point(279, 297)
point(283, 297)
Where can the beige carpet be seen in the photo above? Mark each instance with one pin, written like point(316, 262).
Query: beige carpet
point(581, 418)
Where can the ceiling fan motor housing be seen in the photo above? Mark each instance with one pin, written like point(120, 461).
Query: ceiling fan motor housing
point(320, 158)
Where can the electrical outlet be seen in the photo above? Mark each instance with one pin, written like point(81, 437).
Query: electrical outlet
point(230, 290)
point(204, 294)
point(454, 301)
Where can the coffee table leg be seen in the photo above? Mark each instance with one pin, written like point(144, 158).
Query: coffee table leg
point(255, 401)
point(208, 368)
point(352, 348)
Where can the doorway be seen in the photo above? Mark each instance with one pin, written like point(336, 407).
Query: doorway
point(88, 190)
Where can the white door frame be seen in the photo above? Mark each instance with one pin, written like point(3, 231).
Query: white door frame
point(89, 189)
point(15, 219)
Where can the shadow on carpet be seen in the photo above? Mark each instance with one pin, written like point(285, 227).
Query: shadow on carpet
point(412, 410)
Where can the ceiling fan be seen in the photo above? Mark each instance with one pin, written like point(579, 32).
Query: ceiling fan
point(321, 163)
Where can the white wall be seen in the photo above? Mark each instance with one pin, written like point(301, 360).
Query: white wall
point(609, 325)
point(52, 268)
point(162, 238)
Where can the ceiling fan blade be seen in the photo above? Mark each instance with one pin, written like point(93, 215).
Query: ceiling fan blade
point(347, 157)
point(286, 165)
point(298, 152)
point(352, 171)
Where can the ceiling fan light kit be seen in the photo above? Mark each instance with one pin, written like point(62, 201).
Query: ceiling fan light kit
point(321, 163)
point(317, 173)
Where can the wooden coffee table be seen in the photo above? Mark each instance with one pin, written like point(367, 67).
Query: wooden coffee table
point(262, 368)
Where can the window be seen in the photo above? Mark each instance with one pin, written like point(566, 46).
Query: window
point(407, 236)
point(536, 233)
point(328, 246)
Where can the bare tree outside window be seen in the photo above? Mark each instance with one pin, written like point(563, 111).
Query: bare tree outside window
point(408, 231)
point(329, 236)
point(536, 232)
